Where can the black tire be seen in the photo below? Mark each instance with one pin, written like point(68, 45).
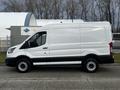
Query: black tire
point(90, 65)
point(23, 65)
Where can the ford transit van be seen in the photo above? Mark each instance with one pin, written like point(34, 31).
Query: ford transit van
point(86, 44)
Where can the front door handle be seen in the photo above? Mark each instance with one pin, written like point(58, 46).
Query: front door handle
point(45, 47)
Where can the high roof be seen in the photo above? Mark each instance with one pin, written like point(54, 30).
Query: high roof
point(102, 24)
point(43, 22)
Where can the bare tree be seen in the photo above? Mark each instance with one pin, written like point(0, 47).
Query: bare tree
point(108, 16)
point(30, 5)
point(118, 16)
point(71, 8)
point(84, 4)
point(39, 11)
point(13, 5)
point(56, 8)
point(101, 9)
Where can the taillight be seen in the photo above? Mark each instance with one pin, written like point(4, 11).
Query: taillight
point(110, 46)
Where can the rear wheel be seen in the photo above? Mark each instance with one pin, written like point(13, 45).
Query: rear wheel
point(90, 65)
point(23, 65)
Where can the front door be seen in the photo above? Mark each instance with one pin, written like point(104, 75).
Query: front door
point(37, 46)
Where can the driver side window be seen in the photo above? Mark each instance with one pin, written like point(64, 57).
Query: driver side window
point(36, 40)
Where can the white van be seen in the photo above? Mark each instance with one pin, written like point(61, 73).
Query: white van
point(85, 44)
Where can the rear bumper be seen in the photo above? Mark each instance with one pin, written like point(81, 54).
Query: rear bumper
point(106, 59)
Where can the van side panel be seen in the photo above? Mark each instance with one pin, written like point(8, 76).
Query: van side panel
point(64, 42)
point(94, 41)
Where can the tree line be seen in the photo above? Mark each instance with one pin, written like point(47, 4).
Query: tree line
point(88, 10)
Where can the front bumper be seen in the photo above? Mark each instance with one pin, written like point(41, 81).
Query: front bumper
point(11, 62)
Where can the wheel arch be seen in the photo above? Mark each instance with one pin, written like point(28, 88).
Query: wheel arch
point(23, 56)
point(93, 56)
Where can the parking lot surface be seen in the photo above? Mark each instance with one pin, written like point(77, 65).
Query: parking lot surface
point(59, 78)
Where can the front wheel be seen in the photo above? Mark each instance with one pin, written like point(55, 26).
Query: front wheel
point(23, 65)
point(90, 65)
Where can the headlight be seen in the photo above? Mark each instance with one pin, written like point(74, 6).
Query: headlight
point(11, 50)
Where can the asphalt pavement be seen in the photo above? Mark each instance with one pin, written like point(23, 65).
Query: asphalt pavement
point(59, 78)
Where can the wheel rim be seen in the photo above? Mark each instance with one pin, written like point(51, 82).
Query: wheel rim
point(91, 66)
point(22, 66)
